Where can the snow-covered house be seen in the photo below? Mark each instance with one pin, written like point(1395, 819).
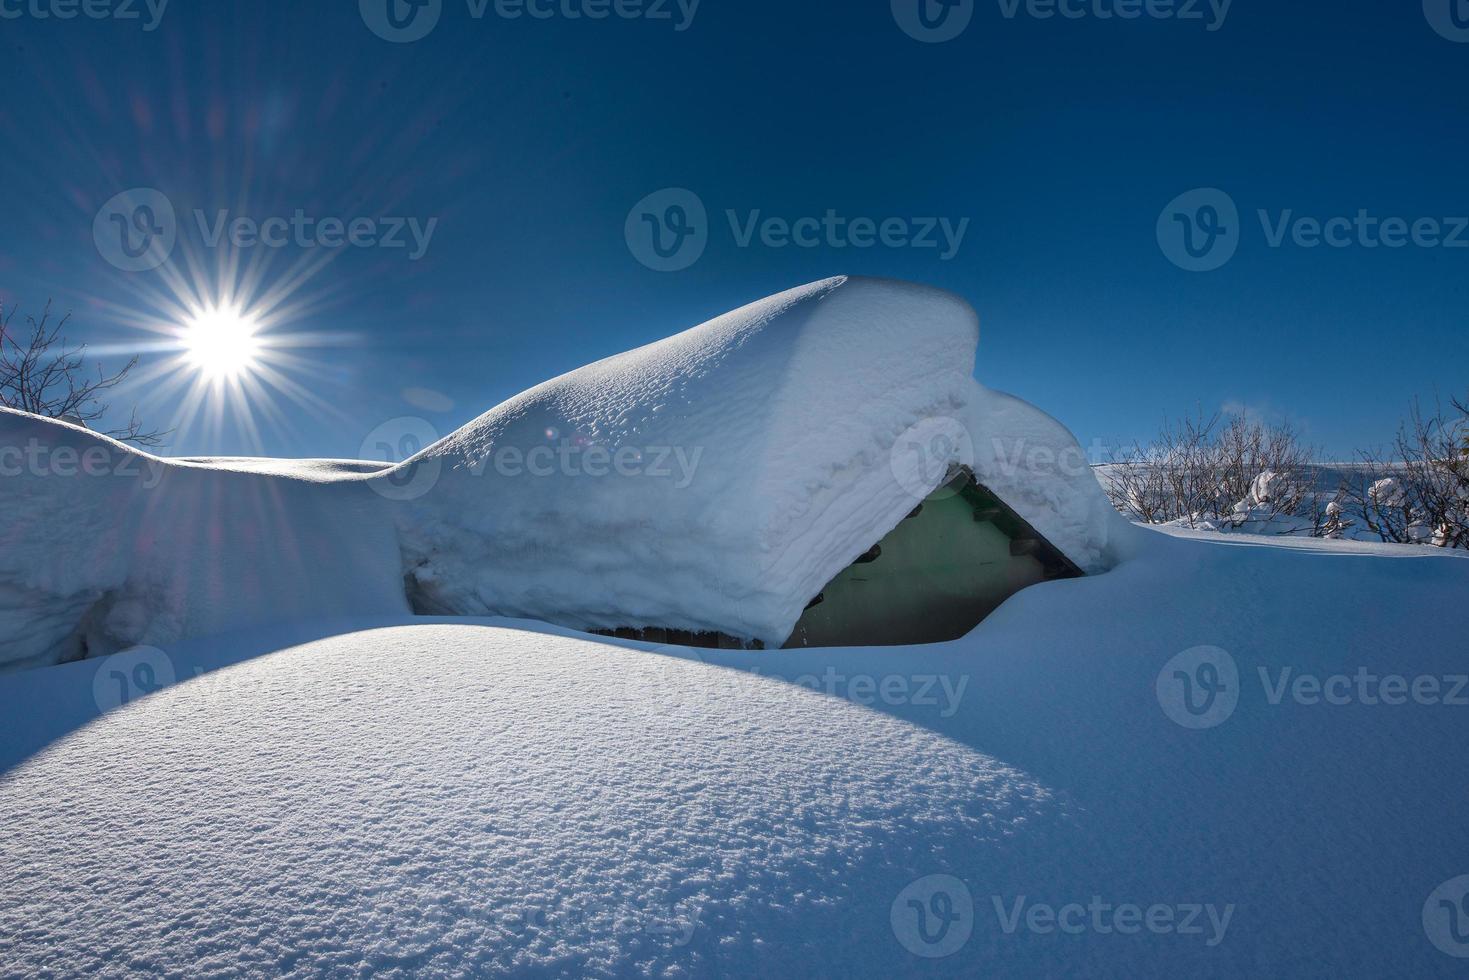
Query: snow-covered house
point(818, 467)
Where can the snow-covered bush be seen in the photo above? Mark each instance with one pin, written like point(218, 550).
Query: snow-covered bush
point(1237, 474)
point(1419, 493)
point(1221, 471)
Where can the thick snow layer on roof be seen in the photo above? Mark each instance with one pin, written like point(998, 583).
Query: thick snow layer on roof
point(102, 546)
point(474, 798)
point(718, 479)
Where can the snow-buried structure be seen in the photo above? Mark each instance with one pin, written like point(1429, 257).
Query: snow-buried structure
point(816, 468)
point(819, 467)
point(103, 547)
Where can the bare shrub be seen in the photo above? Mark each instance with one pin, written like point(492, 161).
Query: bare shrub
point(1419, 492)
point(42, 374)
point(1220, 469)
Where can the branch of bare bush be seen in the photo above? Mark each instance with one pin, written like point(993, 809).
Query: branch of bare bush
point(1233, 471)
point(1216, 469)
point(41, 373)
point(1421, 495)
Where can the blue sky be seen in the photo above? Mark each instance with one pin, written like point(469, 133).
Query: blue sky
point(527, 141)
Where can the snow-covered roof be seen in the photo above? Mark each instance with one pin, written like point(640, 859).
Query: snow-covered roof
point(718, 479)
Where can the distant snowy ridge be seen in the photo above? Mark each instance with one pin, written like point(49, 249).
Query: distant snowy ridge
point(716, 480)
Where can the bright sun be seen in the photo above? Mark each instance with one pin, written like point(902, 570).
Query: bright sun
point(221, 342)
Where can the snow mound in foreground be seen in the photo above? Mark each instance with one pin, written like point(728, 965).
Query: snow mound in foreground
point(471, 798)
point(103, 546)
point(720, 478)
point(453, 800)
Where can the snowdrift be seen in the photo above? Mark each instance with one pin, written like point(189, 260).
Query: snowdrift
point(463, 798)
point(103, 547)
point(713, 481)
point(717, 480)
